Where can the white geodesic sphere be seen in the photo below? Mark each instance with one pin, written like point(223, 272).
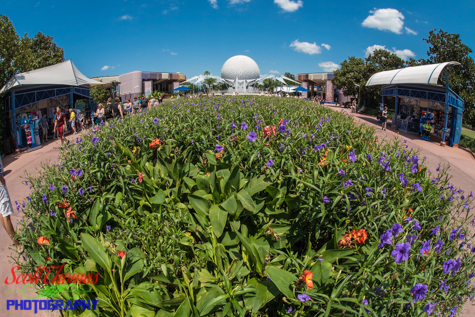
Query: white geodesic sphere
point(241, 67)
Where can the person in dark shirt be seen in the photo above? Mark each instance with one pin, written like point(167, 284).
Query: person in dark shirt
point(117, 109)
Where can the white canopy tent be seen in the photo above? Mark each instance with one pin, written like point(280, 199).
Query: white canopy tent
point(422, 75)
point(64, 73)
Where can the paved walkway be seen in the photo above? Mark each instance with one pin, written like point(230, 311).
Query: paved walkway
point(462, 168)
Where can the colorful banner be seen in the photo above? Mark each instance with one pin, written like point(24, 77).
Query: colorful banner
point(329, 92)
point(147, 85)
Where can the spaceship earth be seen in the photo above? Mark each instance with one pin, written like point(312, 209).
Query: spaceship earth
point(241, 67)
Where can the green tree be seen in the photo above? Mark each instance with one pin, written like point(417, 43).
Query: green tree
point(44, 52)
point(9, 50)
point(445, 47)
point(206, 73)
point(209, 82)
point(291, 76)
point(350, 76)
point(100, 93)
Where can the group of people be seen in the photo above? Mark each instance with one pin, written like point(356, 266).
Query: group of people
point(74, 117)
point(118, 110)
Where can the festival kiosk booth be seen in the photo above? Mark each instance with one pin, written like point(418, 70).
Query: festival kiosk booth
point(32, 94)
point(422, 105)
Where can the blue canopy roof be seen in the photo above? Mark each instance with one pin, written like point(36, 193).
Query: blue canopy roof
point(301, 89)
point(182, 88)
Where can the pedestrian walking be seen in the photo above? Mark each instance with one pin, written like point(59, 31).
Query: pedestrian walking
point(6, 211)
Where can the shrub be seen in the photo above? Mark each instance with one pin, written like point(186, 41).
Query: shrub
point(467, 142)
point(251, 206)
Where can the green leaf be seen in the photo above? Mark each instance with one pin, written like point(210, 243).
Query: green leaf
point(251, 250)
point(68, 250)
point(132, 267)
point(96, 251)
point(282, 279)
point(159, 198)
point(246, 200)
point(184, 309)
point(266, 291)
point(218, 218)
point(96, 207)
point(230, 205)
point(211, 158)
point(199, 204)
point(256, 185)
point(331, 255)
point(321, 272)
point(137, 311)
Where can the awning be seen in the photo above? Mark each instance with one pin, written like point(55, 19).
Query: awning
point(423, 75)
point(64, 73)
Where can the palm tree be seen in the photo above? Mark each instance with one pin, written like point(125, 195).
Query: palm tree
point(206, 73)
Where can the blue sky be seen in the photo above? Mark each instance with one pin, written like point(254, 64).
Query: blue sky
point(299, 36)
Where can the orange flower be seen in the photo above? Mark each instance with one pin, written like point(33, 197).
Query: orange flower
point(155, 144)
point(63, 205)
point(219, 156)
point(346, 240)
point(307, 277)
point(266, 143)
point(121, 254)
point(268, 130)
point(48, 258)
point(42, 240)
point(74, 177)
point(128, 161)
point(207, 174)
point(141, 176)
point(361, 236)
point(426, 252)
point(70, 213)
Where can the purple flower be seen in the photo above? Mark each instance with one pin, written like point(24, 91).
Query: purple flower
point(270, 163)
point(453, 234)
point(44, 198)
point(416, 226)
point(108, 228)
point(411, 238)
point(386, 238)
point(90, 188)
point(81, 191)
point(352, 156)
point(461, 236)
point(64, 189)
point(132, 181)
point(442, 196)
point(414, 169)
point(326, 200)
point(155, 121)
point(384, 191)
point(435, 231)
point(419, 292)
point(51, 187)
point(244, 126)
point(341, 173)
point(429, 309)
point(401, 252)
point(252, 136)
point(282, 128)
point(368, 191)
point(288, 311)
point(233, 125)
point(416, 187)
point(52, 213)
point(364, 302)
point(79, 173)
point(448, 265)
point(396, 229)
point(425, 247)
point(405, 181)
point(218, 148)
point(95, 140)
point(303, 297)
point(370, 158)
point(456, 267)
point(347, 183)
point(72, 171)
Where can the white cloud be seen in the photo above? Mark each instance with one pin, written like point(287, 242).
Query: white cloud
point(214, 3)
point(105, 67)
point(306, 47)
point(409, 31)
point(165, 49)
point(238, 1)
point(274, 72)
point(329, 66)
point(247, 51)
point(173, 53)
point(404, 54)
point(326, 46)
point(126, 17)
point(385, 20)
point(289, 5)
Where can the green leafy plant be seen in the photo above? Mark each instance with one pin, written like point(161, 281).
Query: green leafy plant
point(251, 207)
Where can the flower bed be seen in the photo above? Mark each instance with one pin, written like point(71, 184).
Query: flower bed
point(251, 206)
